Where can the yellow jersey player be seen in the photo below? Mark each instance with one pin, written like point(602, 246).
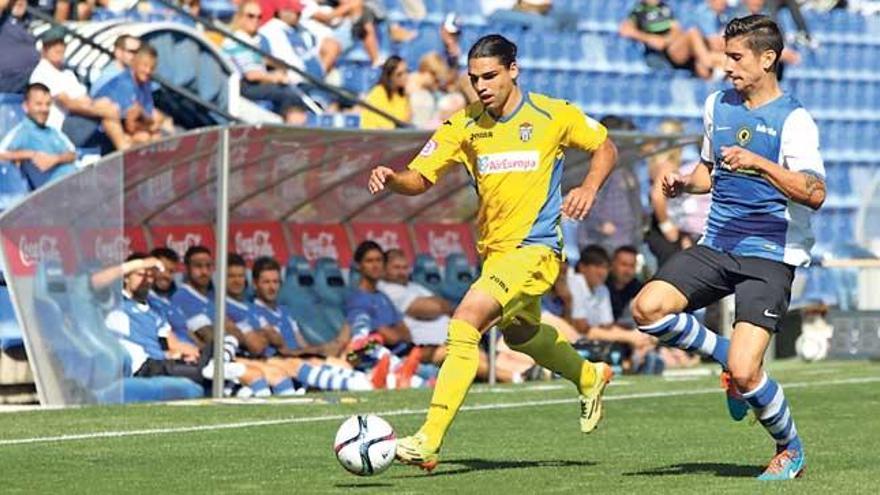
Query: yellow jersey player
point(511, 143)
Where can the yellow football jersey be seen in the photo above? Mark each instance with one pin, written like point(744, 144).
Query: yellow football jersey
point(516, 163)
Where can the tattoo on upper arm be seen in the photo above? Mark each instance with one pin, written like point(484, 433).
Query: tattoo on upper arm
point(813, 185)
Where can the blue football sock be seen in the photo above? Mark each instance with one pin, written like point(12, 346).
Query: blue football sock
point(259, 385)
point(771, 408)
point(282, 386)
point(684, 330)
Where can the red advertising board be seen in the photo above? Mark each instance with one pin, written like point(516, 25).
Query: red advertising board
point(316, 240)
point(387, 235)
point(253, 240)
point(182, 237)
point(110, 246)
point(28, 246)
point(442, 239)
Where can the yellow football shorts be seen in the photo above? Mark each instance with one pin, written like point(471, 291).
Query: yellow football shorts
point(517, 279)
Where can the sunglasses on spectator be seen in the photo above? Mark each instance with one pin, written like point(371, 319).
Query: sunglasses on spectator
point(251, 15)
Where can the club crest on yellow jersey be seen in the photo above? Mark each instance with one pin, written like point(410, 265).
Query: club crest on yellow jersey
point(525, 132)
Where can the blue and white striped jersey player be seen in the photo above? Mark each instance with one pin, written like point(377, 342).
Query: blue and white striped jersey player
point(761, 161)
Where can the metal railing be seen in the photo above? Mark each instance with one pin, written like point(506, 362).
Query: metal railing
point(336, 91)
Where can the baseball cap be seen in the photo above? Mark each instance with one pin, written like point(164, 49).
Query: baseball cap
point(53, 35)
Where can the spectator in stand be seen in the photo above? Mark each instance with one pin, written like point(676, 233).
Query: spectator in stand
point(124, 49)
point(74, 10)
point(44, 153)
point(751, 7)
point(145, 334)
point(73, 112)
point(623, 284)
point(430, 102)
point(710, 18)
point(131, 90)
point(349, 20)
point(616, 217)
point(257, 82)
point(450, 36)
point(388, 95)
point(19, 55)
point(591, 311)
point(289, 41)
point(664, 236)
point(193, 316)
point(652, 23)
point(531, 14)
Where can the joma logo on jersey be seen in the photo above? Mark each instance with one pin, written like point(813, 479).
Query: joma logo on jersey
point(766, 130)
point(512, 161)
point(494, 278)
point(481, 135)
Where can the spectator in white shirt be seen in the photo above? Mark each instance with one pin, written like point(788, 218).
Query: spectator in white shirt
point(591, 311)
point(427, 317)
point(73, 111)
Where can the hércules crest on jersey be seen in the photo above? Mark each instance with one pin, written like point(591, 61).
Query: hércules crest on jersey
point(743, 136)
point(525, 132)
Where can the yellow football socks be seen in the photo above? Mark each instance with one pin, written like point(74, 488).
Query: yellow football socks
point(552, 351)
point(455, 378)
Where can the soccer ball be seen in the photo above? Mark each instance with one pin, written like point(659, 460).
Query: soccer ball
point(365, 445)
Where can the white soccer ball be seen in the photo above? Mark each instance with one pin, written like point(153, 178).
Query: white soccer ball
point(365, 445)
point(811, 347)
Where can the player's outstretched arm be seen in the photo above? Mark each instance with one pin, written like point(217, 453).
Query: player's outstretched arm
point(697, 182)
point(579, 201)
point(407, 182)
point(805, 188)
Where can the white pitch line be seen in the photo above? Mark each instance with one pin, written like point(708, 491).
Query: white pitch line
point(397, 412)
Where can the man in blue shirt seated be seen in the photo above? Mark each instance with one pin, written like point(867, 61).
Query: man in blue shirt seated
point(124, 49)
point(44, 152)
point(161, 292)
point(132, 91)
point(313, 366)
point(374, 320)
point(144, 332)
point(193, 319)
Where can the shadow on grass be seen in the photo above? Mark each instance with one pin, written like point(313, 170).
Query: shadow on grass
point(716, 468)
point(463, 466)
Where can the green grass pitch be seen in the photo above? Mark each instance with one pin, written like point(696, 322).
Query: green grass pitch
point(658, 436)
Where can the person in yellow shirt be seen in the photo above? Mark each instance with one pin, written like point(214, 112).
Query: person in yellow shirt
point(512, 144)
point(389, 95)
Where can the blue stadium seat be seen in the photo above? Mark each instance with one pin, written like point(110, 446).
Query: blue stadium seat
point(459, 277)
point(426, 272)
point(299, 273)
point(329, 282)
point(11, 111)
point(13, 185)
point(10, 332)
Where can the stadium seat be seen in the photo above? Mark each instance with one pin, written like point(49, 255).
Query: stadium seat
point(13, 185)
point(11, 111)
point(329, 282)
point(299, 272)
point(10, 332)
point(299, 295)
point(427, 272)
point(459, 277)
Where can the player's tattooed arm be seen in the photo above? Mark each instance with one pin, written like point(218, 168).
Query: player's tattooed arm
point(805, 188)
